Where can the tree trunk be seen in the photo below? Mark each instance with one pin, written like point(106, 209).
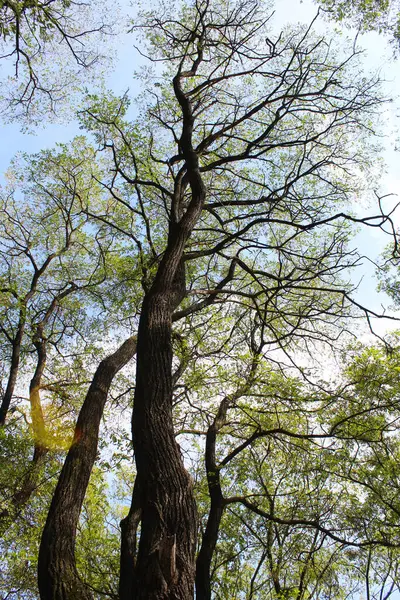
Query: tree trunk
point(165, 564)
point(165, 568)
point(17, 341)
point(210, 536)
point(129, 526)
point(38, 423)
point(12, 376)
point(57, 574)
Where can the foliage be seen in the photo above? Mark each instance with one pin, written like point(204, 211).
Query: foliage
point(367, 15)
point(98, 536)
point(50, 48)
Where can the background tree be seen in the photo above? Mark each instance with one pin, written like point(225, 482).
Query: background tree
point(47, 253)
point(64, 324)
point(56, 274)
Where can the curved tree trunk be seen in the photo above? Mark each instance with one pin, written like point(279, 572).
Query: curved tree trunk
point(17, 340)
point(39, 430)
point(165, 568)
point(57, 574)
point(38, 423)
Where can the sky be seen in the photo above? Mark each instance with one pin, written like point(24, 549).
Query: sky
point(377, 56)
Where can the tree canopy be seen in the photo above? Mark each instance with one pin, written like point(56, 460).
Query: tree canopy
point(186, 409)
point(47, 50)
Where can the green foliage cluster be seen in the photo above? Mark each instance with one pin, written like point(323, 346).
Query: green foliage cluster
point(382, 16)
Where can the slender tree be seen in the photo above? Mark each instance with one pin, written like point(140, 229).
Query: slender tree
point(58, 576)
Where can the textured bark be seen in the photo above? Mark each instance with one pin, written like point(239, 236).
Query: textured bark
point(57, 574)
point(165, 568)
point(165, 563)
point(129, 526)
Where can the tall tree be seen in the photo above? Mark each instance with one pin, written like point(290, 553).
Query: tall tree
point(234, 178)
point(57, 273)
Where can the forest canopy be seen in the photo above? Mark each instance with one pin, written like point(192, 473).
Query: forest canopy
point(190, 403)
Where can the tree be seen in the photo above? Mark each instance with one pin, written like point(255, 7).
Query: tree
point(229, 195)
point(46, 256)
point(242, 165)
point(58, 575)
point(309, 490)
point(58, 274)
